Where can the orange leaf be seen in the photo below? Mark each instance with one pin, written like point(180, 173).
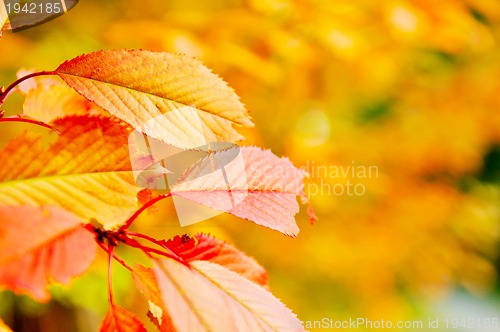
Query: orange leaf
point(120, 320)
point(217, 251)
point(209, 297)
point(145, 281)
point(4, 19)
point(41, 244)
point(86, 170)
point(256, 185)
point(170, 97)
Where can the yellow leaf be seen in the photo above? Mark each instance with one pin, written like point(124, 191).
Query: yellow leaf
point(48, 104)
point(86, 171)
point(170, 97)
point(4, 18)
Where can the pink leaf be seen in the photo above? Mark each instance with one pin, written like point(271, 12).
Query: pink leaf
point(209, 297)
point(256, 185)
point(41, 244)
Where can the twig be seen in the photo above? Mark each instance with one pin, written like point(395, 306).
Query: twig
point(110, 272)
point(20, 118)
point(118, 259)
point(141, 209)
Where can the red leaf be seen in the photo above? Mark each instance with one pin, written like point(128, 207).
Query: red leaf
point(41, 244)
point(217, 251)
point(256, 185)
point(120, 320)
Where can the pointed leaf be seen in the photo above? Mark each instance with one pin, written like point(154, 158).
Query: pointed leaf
point(209, 297)
point(209, 248)
point(120, 320)
point(86, 170)
point(170, 97)
point(41, 244)
point(263, 190)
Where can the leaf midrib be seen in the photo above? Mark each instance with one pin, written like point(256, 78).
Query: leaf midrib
point(151, 94)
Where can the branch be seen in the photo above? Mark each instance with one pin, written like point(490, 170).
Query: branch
point(98, 239)
point(148, 250)
point(161, 243)
point(110, 272)
point(148, 238)
point(141, 209)
point(118, 259)
point(20, 118)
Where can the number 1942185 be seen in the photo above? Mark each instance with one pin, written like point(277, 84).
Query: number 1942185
point(34, 8)
point(472, 323)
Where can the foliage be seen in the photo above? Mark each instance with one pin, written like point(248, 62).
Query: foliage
point(407, 86)
point(59, 201)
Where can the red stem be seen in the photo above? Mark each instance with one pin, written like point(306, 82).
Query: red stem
point(20, 118)
point(110, 273)
point(146, 249)
point(4, 93)
point(146, 237)
point(141, 209)
point(169, 253)
point(118, 259)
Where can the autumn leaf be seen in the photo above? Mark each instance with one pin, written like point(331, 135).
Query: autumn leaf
point(85, 175)
point(172, 98)
point(262, 190)
point(4, 19)
point(57, 101)
point(146, 282)
point(40, 244)
point(201, 247)
point(209, 248)
point(120, 320)
point(209, 297)
point(86, 171)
